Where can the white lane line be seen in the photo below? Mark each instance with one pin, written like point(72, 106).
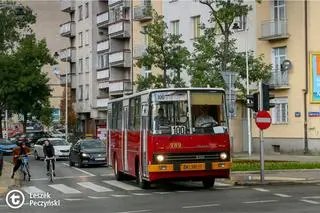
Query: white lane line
point(200, 206)
point(32, 190)
point(94, 187)
point(141, 194)
point(183, 191)
point(120, 195)
point(145, 210)
point(282, 195)
point(73, 199)
point(261, 190)
point(80, 170)
point(61, 178)
point(162, 193)
point(310, 201)
point(260, 201)
point(121, 185)
point(312, 197)
point(64, 189)
point(97, 198)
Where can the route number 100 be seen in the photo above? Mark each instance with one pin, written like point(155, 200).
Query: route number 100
point(178, 130)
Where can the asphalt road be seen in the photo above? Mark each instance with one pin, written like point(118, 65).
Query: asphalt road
point(95, 190)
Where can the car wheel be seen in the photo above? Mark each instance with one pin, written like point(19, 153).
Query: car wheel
point(36, 156)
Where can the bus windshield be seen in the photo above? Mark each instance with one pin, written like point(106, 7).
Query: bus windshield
point(171, 116)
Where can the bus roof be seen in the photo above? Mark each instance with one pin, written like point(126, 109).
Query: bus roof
point(166, 89)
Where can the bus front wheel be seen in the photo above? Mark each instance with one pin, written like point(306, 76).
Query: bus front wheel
point(208, 182)
point(117, 174)
point(144, 184)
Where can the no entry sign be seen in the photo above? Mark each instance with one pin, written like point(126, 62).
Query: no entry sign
point(263, 120)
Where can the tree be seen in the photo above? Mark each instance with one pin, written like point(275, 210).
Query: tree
point(165, 51)
point(33, 92)
point(216, 52)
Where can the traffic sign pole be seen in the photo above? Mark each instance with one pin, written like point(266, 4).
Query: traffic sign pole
point(261, 138)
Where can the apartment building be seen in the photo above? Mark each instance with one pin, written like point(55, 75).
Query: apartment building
point(287, 35)
point(99, 56)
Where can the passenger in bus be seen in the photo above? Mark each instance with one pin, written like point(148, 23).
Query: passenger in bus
point(205, 120)
point(160, 119)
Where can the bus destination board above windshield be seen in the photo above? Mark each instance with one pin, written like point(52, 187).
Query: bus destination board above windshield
point(169, 96)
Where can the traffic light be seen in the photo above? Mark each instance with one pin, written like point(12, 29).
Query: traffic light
point(254, 101)
point(267, 97)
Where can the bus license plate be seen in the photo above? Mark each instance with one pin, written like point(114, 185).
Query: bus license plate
point(192, 166)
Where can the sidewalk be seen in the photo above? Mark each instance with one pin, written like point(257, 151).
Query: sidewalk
point(5, 180)
point(274, 177)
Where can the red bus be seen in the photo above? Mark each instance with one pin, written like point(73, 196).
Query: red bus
point(170, 134)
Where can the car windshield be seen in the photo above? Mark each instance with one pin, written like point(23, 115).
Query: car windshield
point(59, 142)
point(7, 142)
point(92, 144)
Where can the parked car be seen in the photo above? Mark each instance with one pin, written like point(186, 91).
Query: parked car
point(88, 152)
point(61, 148)
point(7, 146)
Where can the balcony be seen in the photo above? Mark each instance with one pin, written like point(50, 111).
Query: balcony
point(119, 29)
point(120, 59)
point(120, 86)
point(71, 80)
point(124, 3)
point(103, 19)
point(143, 12)
point(102, 102)
point(274, 30)
point(68, 29)
point(139, 50)
point(103, 74)
point(68, 6)
point(279, 79)
point(102, 46)
point(68, 55)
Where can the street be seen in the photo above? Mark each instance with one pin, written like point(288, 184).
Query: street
point(95, 190)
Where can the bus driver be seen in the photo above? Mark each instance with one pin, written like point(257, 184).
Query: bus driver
point(204, 119)
point(160, 119)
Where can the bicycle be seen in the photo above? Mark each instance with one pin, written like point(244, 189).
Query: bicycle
point(50, 175)
point(25, 166)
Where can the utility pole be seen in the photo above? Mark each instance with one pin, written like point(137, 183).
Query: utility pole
point(261, 137)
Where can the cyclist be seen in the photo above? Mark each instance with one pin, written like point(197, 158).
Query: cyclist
point(48, 151)
point(20, 150)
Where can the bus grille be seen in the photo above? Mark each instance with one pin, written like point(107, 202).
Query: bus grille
point(192, 157)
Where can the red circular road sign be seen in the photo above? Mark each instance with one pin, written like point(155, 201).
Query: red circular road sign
point(263, 120)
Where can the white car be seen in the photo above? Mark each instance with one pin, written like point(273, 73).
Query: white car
point(61, 148)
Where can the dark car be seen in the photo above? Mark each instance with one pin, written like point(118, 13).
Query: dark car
point(7, 146)
point(88, 152)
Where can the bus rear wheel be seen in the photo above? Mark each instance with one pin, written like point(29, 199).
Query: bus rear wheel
point(118, 175)
point(208, 183)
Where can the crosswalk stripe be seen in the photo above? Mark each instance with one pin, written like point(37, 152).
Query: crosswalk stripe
point(64, 189)
point(141, 194)
point(32, 190)
point(310, 201)
point(282, 195)
point(121, 185)
point(222, 184)
point(120, 195)
point(94, 187)
point(261, 190)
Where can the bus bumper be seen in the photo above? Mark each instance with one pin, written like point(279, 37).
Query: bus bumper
point(192, 171)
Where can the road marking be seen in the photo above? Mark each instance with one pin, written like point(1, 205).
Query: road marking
point(80, 170)
point(94, 187)
point(64, 189)
point(282, 195)
point(73, 199)
point(310, 201)
point(107, 175)
point(183, 191)
point(162, 193)
point(141, 194)
point(260, 201)
point(92, 197)
point(222, 184)
point(120, 195)
point(200, 206)
point(121, 185)
point(60, 178)
point(145, 210)
point(32, 190)
point(312, 197)
point(261, 190)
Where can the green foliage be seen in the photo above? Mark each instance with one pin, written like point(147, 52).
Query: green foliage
point(149, 82)
point(165, 51)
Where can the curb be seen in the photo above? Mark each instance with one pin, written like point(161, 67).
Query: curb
point(270, 182)
point(275, 171)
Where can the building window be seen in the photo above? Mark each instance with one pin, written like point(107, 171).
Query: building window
point(86, 37)
point(196, 26)
point(146, 71)
point(87, 91)
point(87, 9)
point(175, 27)
point(279, 77)
point(80, 12)
point(80, 39)
point(80, 65)
point(279, 10)
point(87, 64)
point(280, 111)
point(80, 92)
point(103, 61)
point(241, 22)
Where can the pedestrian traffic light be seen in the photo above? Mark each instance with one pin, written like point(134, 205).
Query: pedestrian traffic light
point(253, 101)
point(267, 97)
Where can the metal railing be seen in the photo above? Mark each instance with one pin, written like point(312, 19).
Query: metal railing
point(279, 78)
point(143, 12)
point(274, 29)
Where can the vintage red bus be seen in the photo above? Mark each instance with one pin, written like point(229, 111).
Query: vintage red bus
point(170, 134)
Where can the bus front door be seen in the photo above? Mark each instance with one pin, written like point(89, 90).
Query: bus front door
point(125, 139)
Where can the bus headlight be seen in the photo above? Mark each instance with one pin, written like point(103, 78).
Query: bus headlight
point(223, 156)
point(160, 158)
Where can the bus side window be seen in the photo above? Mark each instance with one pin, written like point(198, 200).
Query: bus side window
point(119, 115)
point(135, 113)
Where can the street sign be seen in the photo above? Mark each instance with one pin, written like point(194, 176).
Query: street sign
point(263, 120)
